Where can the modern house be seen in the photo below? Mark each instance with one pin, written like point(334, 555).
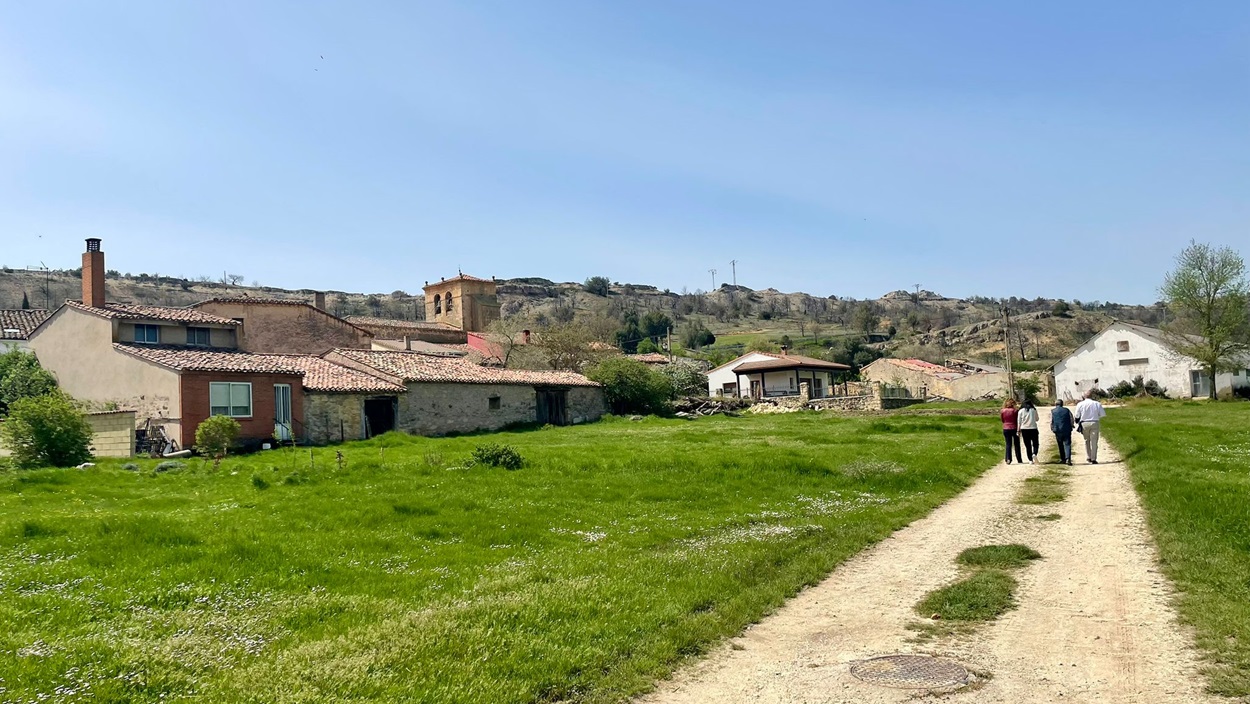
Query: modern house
point(1123, 351)
point(764, 375)
point(958, 381)
point(16, 326)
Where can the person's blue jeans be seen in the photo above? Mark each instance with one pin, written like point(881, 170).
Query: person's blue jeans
point(1065, 446)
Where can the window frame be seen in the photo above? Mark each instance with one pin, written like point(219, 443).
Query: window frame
point(1121, 346)
point(494, 403)
point(194, 331)
point(147, 327)
point(230, 407)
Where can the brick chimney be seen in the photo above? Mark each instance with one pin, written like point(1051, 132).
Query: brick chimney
point(319, 300)
point(93, 274)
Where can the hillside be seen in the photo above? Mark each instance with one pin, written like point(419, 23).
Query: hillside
point(902, 323)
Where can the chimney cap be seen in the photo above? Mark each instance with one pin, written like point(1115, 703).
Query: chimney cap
point(93, 244)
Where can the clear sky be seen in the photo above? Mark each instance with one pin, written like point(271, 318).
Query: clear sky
point(1065, 149)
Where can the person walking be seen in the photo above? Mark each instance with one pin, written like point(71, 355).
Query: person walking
point(1088, 412)
point(1026, 422)
point(1061, 424)
point(1010, 435)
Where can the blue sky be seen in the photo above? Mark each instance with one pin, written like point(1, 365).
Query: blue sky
point(1065, 149)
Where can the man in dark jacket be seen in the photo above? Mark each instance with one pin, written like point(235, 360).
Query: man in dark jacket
point(1061, 424)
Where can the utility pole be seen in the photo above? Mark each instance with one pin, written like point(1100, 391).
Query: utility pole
point(669, 337)
point(713, 271)
point(734, 265)
point(1011, 377)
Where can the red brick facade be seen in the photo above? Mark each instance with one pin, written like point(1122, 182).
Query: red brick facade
point(260, 426)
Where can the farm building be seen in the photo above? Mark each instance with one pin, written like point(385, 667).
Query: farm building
point(16, 326)
point(921, 379)
point(1123, 351)
point(273, 326)
point(764, 374)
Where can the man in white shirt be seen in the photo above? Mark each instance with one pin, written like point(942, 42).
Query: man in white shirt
point(1088, 412)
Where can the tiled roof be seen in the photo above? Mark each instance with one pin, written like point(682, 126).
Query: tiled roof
point(129, 311)
point(416, 367)
point(17, 324)
point(738, 360)
point(790, 361)
point(461, 277)
point(326, 376)
point(651, 358)
point(193, 359)
point(423, 347)
point(250, 299)
point(366, 321)
point(919, 365)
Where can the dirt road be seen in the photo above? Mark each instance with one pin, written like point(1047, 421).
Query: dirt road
point(1093, 622)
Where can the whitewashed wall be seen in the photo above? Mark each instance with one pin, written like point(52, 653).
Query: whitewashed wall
point(1100, 362)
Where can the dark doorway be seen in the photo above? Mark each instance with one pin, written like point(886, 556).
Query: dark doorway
point(379, 415)
point(552, 406)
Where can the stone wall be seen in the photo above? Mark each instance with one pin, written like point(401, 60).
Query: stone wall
point(586, 404)
point(333, 417)
point(286, 328)
point(113, 433)
point(438, 409)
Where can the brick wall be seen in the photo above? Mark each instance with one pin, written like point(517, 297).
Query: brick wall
point(260, 426)
point(113, 433)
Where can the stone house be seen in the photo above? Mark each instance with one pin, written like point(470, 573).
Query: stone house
point(277, 326)
point(1122, 351)
point(448, 394)
point(462, 302)
point(926, 380)
point(16, 326)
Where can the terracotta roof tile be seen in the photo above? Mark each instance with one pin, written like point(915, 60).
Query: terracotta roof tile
point(255, 300)
point(366, 322)
point(319, 374)
point(416, 367)
point(790, 361)
point(130, 311)
point(17, 324)
point(650, 358)
point(461, 277)
point(326, 376)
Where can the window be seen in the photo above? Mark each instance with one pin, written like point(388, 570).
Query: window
point(448, 300)
point(1131, 362)
point(230, 399)
point(198, 337)
point(1121, 346)
point(438, 304)
point(148, 334)
point(494, 403)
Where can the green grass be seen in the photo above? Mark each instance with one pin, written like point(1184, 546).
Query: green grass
point(998, 556)
point(982, 596)
point(1190, 463)
point(619, 550)
point(1049, 487)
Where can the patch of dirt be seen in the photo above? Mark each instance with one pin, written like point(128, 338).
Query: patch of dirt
point(1093, 622)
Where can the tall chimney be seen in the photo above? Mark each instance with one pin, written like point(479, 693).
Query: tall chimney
point(93, 274)
point(319, 300)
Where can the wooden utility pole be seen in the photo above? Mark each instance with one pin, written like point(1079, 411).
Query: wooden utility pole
point(1011, 376)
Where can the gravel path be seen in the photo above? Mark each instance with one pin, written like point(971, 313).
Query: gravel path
point(1093, 622)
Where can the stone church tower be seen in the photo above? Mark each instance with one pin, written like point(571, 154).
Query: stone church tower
point(464, 302)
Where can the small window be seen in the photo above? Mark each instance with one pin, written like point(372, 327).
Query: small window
point(448, 301)
point(230, 399)
point(148, 334)
point(198, 337)
point(1121, 346)
point(438, 304)
point(1133, 362)
point(494, 403)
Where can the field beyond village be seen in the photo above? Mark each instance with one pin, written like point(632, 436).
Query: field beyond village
point(618, 551)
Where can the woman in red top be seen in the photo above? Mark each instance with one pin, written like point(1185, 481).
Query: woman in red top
point(1011, 434)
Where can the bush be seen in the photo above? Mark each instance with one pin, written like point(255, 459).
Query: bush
point(632, 387)
point(1029, 388)
point(647, 346)
point(22, 377)
point(598, 285)
point(167, 466)
point(1137, 387)
point(47, 431)
point(684, 379)
point(215, 435)
point(494, 455)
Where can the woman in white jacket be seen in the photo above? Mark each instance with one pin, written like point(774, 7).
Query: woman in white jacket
point(1026, 421)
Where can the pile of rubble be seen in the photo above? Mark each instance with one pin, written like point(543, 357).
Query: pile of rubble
point(695, 406)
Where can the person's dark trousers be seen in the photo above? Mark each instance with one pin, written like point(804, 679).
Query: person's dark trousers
point(1030, 442)
point(1064, 440)
point(1010, 437)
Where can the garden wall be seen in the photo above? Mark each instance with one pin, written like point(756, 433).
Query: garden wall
point(113, 433)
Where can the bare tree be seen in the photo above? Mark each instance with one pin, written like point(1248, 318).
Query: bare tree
point(1209, 299)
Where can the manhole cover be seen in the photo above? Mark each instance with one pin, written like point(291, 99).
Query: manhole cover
point(911, 671)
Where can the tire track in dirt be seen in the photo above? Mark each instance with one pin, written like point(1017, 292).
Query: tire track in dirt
point(1093, 622)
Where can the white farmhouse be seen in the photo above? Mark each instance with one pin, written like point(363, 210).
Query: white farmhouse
point(762, 374)
point(1123, 351)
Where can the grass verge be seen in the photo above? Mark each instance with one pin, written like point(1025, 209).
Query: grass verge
point(1188, 462)
point(404, 573)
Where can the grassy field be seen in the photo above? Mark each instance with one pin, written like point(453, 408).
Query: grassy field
point(1190, 462)
point(619, 550)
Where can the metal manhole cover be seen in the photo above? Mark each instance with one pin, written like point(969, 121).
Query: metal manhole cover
point(911, 672)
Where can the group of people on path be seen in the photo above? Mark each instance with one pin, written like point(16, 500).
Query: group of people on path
point(1021, 424)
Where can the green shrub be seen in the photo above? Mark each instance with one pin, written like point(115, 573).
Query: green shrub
point(684, 379)
point(632, 387)
point(494, 455)
point(647, 346)
point(215, 435)
point(47, 431)
point(22, 377)
point(1137, 387)
point(1028, 388)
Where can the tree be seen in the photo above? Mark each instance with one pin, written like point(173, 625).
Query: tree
point(47, 431)
point(25, 301)
point(631, 386)
point(630, 334)
point(1061, 309)
point(506, 335)
point(215, 435)
point(598, 285)
point(696, 335)
point(647, 346)
point(685, 379)
point(655, 325)
point(1209, 298)
point(567, 346)
point(866, 318)
point(22, 377)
